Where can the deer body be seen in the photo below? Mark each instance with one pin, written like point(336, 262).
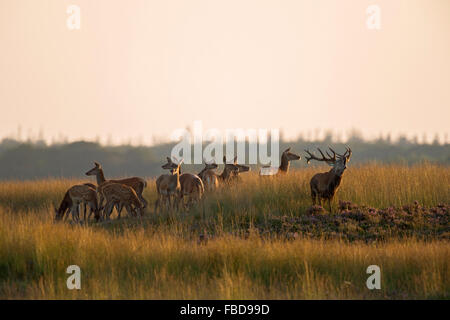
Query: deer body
point(191, 185)
point(324, 185)
point(168, 186)
point(209, 177)
point(121, 195)
point(138, 184)
point(76, 195)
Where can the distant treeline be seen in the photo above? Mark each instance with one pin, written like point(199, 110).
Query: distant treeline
point(25, 160)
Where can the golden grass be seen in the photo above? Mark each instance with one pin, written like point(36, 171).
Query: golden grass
point(161, 258)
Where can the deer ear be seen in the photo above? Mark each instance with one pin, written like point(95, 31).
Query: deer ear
point(97, 164)
point(169, 160)
point(287, 150)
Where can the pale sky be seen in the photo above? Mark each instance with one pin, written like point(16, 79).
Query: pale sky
point(145, 68)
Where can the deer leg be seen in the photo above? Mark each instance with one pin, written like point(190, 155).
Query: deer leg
point(169, 202)
point(100, 201)
point(77, 212)
point(313, 197)
point(329, 204)
point(108, 210)
point(66, 214)
point(92, 209)
point(119, 207)
point(156, 205)
point(74, 211)
point(144, 202)
point(84, 213)
point(129, 210)
point(176, 202)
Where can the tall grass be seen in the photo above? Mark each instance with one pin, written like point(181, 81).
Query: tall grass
point(156, 263)
point(162, 257)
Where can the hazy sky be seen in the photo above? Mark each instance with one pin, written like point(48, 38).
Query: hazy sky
point(144, 68)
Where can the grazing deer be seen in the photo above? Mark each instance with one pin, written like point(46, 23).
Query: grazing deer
point(324, 185)
point(191, 185)
point(138, 184)
point(286, 157)
point(121, 195)
point(209, 176)
point(76, 195)
point(66, 204)
point(168, 185)
point(231, 171)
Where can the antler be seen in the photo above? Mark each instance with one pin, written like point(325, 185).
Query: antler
point(348, 153)
point(330, 159)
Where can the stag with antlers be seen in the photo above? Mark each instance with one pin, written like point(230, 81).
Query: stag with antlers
point(324, 185)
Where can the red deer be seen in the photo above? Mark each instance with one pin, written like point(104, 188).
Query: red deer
point(76, 195)
point(231, 171)
point(168, 186)
point(209, 176)
point(324, 185)
point(138, 184)
point(286, 157)
point(121, 195)
point(191, 185)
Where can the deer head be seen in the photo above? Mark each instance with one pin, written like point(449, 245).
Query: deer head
point(96, 169)
point(241, 168)
point(289, 156)
point(169, 165)
point(230, 168)
point(337, 161)
point(210, 165)
point(173, 166)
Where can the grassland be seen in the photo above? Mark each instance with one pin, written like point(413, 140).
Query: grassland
point(258, 239)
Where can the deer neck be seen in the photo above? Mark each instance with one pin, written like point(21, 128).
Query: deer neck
point(334, 182)
point(225, 174)
point(177, 178)
point(334, 173)
point(100, 177)
point(284, 166)
point(200, 174)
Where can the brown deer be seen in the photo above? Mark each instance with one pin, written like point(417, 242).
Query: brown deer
point(191, 185)
point(121, 195)
point(168, 186)
point(286, 157)
point(324, 185)
point(209, 176)
point(138, 184)
point(66, 204)
point(231, 171)
point(76, 195)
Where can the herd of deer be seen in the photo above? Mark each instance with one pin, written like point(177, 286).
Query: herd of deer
point(173, 188)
